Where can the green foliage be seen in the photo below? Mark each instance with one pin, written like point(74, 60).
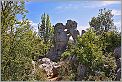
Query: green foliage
point(88, 52)
point(19, 43)
point(17, 57)
point(40, 74)
point(112, 39)
point(45, 29)
point(96, 53)
point(103, 22)
point(8, 14)
point(65, 55)
point(67, 72)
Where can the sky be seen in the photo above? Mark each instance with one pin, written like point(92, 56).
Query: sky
point(77, 10)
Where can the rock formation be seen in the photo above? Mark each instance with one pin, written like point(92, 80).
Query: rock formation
point(50, 67)
point(117, 54)
point(61, 38)
point(71, 27)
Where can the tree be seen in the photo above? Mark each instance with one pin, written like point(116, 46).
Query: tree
point(8, 14)
point(89, 51)
point(45, 28)
point(19, 43)
point(103, 22)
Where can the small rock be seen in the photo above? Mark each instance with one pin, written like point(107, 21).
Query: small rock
point(45, 60)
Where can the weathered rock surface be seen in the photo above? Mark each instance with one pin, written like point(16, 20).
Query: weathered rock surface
point(50, 67)
point(117, 54)
point(72, 29)
point(61, 37)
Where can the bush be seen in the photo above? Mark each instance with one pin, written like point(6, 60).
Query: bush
point(90, 49)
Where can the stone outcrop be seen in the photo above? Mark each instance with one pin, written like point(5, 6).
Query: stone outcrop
point(50, 67)
point(61, 37)
point(71, 27)
point(117, 54)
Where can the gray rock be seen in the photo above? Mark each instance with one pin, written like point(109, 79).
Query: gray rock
point(61, 37)
point(50, 67)
point(118, 63)
point(72, 28)
point(117, 52)
point(118, 77)
point(80, 72)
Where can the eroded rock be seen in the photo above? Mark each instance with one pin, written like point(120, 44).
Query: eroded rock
point(50, 67)
point(117, 52)
point(61, 37)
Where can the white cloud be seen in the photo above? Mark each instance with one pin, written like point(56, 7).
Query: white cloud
point(69, 6)
point(118, 25)
point(105, 3)
point(86, 4)
point(34, 25)
point(95, 4)
point(80, 28)
point(116, 12)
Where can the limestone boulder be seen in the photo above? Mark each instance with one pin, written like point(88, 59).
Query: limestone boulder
point(50, 67)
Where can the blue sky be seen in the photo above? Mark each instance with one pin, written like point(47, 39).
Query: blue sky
point(79, 11)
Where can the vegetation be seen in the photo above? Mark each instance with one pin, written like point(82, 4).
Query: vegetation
point(90, 52)
point(20, 44)
point(103, 22)
point(94, 49)
point(45, 28)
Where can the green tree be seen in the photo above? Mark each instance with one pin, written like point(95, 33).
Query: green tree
point(18, 43)
point(103, 22)
point(89, 51)
point(45, 28)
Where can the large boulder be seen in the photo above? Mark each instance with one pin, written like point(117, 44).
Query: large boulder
point(50, 67)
